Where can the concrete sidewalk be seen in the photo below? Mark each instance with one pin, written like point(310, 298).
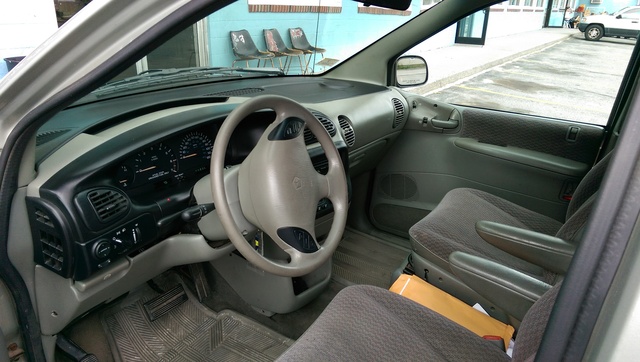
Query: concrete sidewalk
point(450, 64)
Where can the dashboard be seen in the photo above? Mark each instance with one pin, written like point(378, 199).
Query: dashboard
point(114, 177)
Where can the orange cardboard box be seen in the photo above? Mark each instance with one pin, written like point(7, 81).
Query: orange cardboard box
point(449, 306)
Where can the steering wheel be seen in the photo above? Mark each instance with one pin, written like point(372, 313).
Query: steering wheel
point(279, 188)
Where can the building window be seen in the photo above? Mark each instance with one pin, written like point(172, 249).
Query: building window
point(514, 2)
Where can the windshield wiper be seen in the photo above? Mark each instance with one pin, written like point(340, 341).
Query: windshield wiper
point(155, 77)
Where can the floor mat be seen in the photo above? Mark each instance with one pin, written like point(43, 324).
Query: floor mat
point(364, 259)
point(189, 332)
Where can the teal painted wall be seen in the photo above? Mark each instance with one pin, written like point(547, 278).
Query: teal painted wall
point(337, 29)
point(610, 6)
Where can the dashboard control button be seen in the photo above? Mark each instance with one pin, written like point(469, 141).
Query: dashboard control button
point(102, 249)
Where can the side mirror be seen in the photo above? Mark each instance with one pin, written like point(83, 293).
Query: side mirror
point(411, 71)
point(619, 16)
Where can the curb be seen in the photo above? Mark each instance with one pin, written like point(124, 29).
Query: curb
point(440, 83)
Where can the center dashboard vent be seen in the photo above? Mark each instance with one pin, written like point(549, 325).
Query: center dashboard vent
point(309, 137)
point(398, 107)
point(347, 131)
point(108, 204)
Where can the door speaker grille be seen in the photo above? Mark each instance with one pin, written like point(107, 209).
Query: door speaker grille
point(398, 186)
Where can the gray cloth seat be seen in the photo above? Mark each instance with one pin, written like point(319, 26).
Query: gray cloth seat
point(366, 323)
point(451, 225)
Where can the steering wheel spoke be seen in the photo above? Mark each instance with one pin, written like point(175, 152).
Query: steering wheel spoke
point(299, 239)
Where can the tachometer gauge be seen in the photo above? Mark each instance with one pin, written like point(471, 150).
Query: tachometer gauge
point(155, 163)
point(195, 151)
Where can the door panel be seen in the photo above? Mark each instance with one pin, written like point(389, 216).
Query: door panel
point(532, 161)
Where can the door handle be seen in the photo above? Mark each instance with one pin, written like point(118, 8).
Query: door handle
point(448, 124)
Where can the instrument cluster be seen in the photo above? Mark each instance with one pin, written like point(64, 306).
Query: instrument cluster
point(170, 161)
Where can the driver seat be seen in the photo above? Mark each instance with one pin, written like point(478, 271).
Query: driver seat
point(367, 323)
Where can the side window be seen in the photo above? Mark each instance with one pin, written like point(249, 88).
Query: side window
point(548, 72)
point(631, 14)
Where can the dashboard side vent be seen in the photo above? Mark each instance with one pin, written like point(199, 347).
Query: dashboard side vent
point(236, 92)
point(50, 244)
point(43, 218)
point(108, 204)
point(347, 131)
point(309, 138)
point(51, 240)
point(398, 107)
point(52, 250)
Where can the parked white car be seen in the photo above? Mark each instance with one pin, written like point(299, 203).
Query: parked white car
point(622, 23)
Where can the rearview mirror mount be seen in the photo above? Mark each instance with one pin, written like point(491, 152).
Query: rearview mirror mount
point(389, 4)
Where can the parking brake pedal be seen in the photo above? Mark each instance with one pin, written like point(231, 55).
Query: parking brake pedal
point(71, 350)
point(163, 304)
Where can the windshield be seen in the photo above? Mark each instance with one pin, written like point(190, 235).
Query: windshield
point(259, 38)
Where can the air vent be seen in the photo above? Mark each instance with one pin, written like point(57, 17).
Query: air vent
point(309, 137)
point(236, 92)
point(398, 106)
point(108, 204)
point(50, 244)
point(51, 240)
point(52, 251)
point(45, 137)
point(43, 218)
point(321, 165)
point(347, 131)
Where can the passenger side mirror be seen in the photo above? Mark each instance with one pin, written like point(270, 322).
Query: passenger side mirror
point(619, 16)
point(411, 71)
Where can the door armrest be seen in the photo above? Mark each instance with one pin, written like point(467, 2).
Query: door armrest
point(509, 289)
point(546, 251)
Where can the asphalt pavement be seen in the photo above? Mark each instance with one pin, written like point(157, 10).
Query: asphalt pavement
point(452, 63)
point(549, 72)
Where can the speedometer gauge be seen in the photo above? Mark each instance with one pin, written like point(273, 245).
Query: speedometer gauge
point(155, 163)
point(195, 151)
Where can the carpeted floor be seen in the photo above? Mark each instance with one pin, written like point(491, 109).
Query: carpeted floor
point(364, 259)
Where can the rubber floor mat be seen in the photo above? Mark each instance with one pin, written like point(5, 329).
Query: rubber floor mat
point(189, 332)
point(364, 259)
